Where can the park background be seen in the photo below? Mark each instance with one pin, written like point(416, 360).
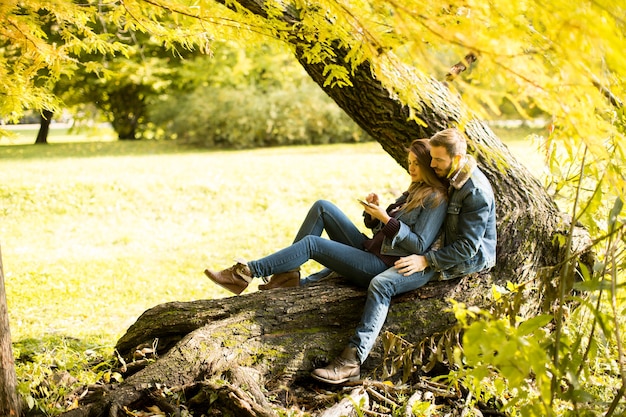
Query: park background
point(100, 225)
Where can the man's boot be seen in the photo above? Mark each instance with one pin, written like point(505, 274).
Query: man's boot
point(283, 280)
point(235, 279)
point(345, 367)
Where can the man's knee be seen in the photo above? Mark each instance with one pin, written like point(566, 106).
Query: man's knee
point(381, 285)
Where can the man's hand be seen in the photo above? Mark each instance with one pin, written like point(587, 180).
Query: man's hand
point(411, 264)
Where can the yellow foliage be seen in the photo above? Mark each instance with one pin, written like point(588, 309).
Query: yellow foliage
point(564, 57)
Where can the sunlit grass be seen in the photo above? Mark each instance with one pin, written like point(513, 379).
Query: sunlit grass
point(58, 133)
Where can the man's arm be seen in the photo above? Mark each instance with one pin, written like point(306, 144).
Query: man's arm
point(471, 227)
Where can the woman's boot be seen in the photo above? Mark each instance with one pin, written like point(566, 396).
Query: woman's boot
point(235, 279)
point(283, 280)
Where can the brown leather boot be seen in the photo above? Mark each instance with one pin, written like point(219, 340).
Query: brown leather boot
point(343, 368)
point(235, 279)
point(283, 280)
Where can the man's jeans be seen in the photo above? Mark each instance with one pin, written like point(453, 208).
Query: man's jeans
point(343, 253)
point(379, 293)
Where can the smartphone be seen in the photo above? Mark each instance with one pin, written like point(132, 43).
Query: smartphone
point(365, 203)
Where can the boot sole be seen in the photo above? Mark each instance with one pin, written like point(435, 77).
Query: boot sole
point(236, 292)
point(336, 381)
point(269, 286)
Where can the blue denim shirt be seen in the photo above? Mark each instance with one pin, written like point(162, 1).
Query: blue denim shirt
point(418, 228)
point(469, 230)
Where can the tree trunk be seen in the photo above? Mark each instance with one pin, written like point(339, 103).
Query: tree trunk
point(44, 127)
point(251, 346)
point(9, 400)
point(528, 219)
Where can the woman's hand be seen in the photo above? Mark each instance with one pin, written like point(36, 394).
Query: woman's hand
point(373, 208)
point(372, 198)
point(376, 211)
point(411, 264)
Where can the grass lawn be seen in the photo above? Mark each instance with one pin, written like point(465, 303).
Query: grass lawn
point(94, 232)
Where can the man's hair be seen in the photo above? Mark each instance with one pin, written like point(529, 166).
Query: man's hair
point(452, 140)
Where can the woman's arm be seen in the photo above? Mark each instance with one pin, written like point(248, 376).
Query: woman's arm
point(371, 213)
point(418, 230)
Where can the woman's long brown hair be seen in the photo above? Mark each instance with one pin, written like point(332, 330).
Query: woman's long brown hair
point(418, 192)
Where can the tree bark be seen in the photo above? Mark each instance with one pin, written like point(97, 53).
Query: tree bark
point(276, 338)
point(9, 400)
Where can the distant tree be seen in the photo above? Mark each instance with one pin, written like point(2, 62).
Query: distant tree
point(243, 97)
point(123, 91)
point(88, 59)
point(45, 118)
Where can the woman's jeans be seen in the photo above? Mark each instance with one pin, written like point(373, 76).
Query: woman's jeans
point(343, 252)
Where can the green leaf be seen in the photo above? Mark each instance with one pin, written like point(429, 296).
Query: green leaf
point(615, 211)
point(531, 325)
point(594, 285)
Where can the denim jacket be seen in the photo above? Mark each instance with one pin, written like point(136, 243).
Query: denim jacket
point(418, 228)
point(470, 226)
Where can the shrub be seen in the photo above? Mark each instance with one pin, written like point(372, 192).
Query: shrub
point(231, 117)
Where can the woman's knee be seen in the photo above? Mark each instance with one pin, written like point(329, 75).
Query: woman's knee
point(310, 241)
point(322, 205)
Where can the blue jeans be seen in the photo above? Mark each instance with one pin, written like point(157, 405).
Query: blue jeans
point(343, 252)
point(316, 276)
point(381, 288)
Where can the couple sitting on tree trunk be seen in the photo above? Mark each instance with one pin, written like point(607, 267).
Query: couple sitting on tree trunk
point(404, 252)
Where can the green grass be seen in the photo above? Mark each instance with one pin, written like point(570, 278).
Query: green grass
point(93, 233)
point(58, 133)
point(526, 144)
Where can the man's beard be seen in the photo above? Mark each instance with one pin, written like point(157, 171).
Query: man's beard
point(442, 173)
